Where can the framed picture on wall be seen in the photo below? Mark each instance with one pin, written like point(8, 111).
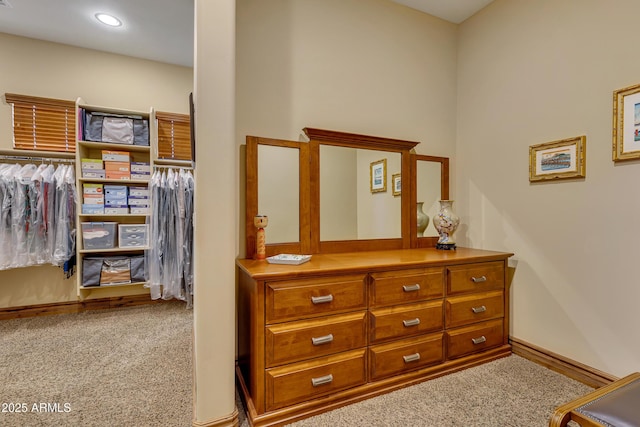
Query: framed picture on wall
point(396, 182)
point(561, 159)
point(378, 176)
point(626, 123)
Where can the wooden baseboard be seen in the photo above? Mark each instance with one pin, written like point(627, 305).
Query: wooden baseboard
point(572, 369)
point(75, 306)
point(231, 420)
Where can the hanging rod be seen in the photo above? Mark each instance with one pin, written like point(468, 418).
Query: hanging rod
point(36, 158)
point(173, 167)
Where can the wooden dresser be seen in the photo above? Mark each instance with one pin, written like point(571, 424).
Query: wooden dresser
point(348, 326)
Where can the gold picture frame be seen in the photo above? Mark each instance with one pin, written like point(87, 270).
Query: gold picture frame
point(378, 176)
point(626, 123)
point(562, 159)
point(396, 184)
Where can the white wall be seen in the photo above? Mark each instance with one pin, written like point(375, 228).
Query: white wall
point(216, 208)
point(379, 214)
point(532, 72)
point(362, 66)
point(338, 193)
point(279, 189)
point(51, 70)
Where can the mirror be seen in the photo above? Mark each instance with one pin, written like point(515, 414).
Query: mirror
point(275, 176)
point(349, 210)
point(431, 186)
point(428, 193)
point(279, 192)
point(320, 196)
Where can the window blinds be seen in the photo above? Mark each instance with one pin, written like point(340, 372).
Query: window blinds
point(174, 136)
point(43, 124)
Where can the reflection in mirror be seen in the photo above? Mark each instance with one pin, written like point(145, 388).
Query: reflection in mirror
point(348, 208)
point(279, 192)
point(428, 191)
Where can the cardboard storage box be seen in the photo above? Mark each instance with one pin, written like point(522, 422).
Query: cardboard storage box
point(88, 188)
point(117, 167)
point(139, 210)
point(122, 176)
point(91, 164)
point(138, 201)
point(140, 167)
point(92, 209)
point(116, 156)
point(93, 199)
point(99, 235)
point(120, 191)
point(110, 209)
point(93, 173)
point(136, 191)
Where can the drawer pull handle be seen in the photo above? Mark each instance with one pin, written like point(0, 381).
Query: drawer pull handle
point(322, 340)
point(321, 380)
point(478, 340)
point(480, 309)
point(411, 357)
point(322, 299)
point(412, 322)
point(411, 288)
point(479, 279)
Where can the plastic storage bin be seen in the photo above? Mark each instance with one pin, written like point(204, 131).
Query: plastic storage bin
point(99, 235)
point(133, 235)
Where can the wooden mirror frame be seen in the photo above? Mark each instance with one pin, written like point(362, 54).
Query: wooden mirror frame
point(251, 195)
point(430, 241)
point(319, 137)
point(309, 188)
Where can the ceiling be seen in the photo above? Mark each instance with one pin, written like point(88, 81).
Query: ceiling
point(455, 11)
point(159, 30)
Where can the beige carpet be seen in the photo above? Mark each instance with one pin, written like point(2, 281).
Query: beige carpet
point(133, 367)
point(124, 367)
point(508, 392)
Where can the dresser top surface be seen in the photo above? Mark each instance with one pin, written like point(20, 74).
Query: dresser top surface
point(369, 261)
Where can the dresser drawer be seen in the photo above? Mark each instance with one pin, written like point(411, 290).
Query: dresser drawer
point(471, 339)
point(486, 276)
point(406, 355)
point(306, 339)
point(298, 299)
point(473, 308)
point(396, 287)
point(306, 380)
point(405, 320)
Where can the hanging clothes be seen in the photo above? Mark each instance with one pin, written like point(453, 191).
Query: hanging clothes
point(169, 259)
point(187, 244)
point(37, 216)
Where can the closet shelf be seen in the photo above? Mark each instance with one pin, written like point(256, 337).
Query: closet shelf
point(172, 162)
point(111, 250)
point(115, 147)
point(113, 181)
point(114, 285)
point(113, 215)
point(90, 189)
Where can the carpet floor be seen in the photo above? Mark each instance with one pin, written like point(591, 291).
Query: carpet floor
point(121, 367)
point(133, 367)
point(508, 392)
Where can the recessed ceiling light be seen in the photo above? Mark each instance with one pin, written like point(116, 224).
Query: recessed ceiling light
point(109, 20)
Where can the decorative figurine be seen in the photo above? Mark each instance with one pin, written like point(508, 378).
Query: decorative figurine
point(260, 221)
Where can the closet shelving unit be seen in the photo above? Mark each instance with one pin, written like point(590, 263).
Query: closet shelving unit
point(93, 150)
